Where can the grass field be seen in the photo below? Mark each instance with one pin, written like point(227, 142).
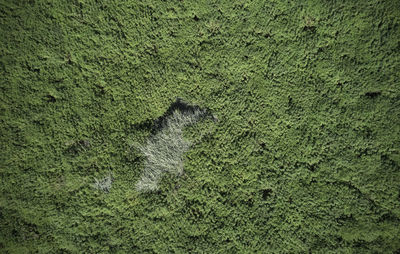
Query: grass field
point(304, 157)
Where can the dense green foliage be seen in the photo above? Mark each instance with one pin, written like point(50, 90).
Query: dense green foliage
point(305, 155)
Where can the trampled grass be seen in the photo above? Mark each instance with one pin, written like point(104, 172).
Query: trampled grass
point(165, 150)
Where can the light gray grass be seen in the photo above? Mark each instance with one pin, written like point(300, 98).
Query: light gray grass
point(164, 151)
point(103, 184)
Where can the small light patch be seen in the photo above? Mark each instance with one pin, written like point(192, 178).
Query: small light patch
point(104, 184)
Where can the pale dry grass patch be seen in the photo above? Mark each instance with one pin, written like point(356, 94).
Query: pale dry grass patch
point(165, 150)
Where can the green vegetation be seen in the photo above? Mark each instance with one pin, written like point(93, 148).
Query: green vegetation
point(304, 156)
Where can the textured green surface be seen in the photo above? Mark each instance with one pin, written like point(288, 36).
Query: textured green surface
point(305, 155)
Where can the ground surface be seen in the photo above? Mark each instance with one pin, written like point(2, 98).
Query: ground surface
point(304, 157)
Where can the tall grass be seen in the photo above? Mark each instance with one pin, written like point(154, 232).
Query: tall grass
point(164, 151)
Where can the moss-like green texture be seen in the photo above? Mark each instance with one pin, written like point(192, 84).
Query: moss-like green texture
point(305, 155)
